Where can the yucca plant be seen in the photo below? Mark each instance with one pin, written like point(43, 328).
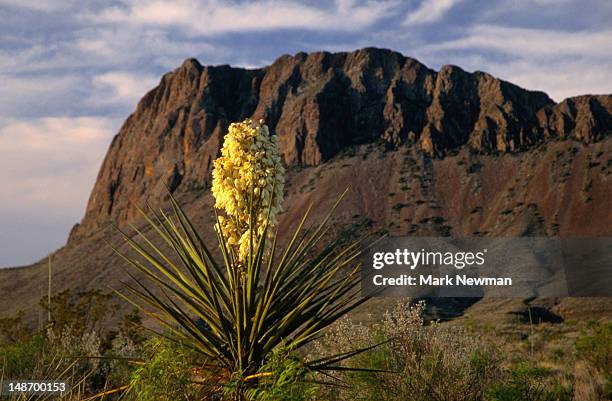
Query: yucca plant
point(235, 310)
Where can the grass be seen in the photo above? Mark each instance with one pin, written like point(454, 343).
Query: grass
point(419, 360)
point(79, 345)
point(595, 346)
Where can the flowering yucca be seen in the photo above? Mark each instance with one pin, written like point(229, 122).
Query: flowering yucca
point(247, 177)
point(236, 310)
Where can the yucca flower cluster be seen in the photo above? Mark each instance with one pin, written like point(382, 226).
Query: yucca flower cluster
point(248, 178)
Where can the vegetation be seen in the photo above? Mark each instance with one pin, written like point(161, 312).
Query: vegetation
point(284, 378)
point(595, 346)
point(418, 360)
point(528, 382)
point(260, 295)
point(166, 375)
point(74, 347)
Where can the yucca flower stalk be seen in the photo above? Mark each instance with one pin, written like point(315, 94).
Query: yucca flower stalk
point(248, 181)
point(260, 295)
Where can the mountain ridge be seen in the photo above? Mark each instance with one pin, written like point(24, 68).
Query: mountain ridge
point(319, 104)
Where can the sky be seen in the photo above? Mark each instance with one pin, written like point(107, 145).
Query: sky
point(71, 71)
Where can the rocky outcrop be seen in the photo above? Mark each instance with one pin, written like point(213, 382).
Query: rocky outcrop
point(586, 118)
point(319, 104)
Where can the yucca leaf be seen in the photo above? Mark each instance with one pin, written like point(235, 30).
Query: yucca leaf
point(278, 295)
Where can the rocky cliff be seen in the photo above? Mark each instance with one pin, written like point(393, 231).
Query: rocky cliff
point(319, 104)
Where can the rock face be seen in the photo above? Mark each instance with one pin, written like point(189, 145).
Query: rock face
point(319, 104)
point(587, 118)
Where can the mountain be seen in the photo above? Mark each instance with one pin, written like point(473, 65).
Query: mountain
point(425, 152)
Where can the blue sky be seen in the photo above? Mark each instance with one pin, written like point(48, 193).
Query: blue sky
point(71, 71)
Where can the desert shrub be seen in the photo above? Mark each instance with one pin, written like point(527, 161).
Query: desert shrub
point(80, 331)
point(529, 382)
point(77, 340)
point(80, 311)
point(166, 374)
point(33, 358)
point(596, 346)
point(82, 347)
point(120, 349)
point(120, 360)
point(284, 378)
point(14, 328)
point(18, 359)
point(416, 362)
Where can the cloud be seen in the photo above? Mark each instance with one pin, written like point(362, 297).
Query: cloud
point(35, 95)
point(98, 48)
point(548, 2)
point(132, 45)
point(37, 5)
point(563, 79)
point(48, 165)
point(214, 17)
point(47, 169)
point(429, 11)
point(532, 42)
point(121, 88)
point(99, 70)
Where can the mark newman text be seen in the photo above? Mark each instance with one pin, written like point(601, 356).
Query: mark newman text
point(430, 280)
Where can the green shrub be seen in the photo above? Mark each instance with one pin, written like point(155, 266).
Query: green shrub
point(283, 378)
point(19, 359)
point(166, 374)
point(33, 359)
point(596, 346)
point(14, 328)
point(77, 342)
point(528, 382)
point(80, 311)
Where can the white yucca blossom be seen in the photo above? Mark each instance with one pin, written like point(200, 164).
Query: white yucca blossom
point(248, 173)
